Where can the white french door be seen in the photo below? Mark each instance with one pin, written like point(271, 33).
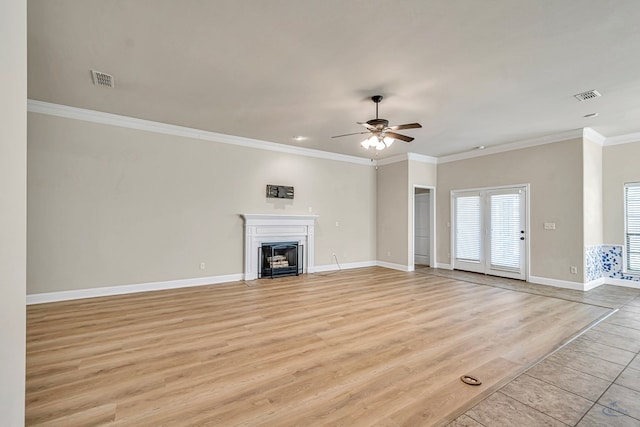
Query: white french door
point(489, 231)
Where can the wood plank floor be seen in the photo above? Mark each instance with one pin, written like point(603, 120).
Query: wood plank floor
point(369, 346)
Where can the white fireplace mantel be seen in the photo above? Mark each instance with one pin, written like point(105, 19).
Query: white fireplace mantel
point(265, 228)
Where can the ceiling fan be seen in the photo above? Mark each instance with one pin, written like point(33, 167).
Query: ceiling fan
point(382, 135)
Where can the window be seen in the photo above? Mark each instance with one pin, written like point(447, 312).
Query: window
point(632, 227)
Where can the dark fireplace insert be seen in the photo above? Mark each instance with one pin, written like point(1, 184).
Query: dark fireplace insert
point(280, 259)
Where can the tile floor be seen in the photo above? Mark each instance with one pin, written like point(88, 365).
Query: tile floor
point(592, 381)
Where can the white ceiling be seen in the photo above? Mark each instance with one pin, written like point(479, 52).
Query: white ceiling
point(472, 72)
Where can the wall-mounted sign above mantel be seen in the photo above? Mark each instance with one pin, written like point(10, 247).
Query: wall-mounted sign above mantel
point(279, 192)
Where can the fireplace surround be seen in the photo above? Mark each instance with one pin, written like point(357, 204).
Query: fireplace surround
point(274, 228)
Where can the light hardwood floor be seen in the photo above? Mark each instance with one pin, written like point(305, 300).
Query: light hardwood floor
point(369, 346)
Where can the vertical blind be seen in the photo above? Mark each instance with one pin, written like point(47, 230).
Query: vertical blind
point(505, 231)
point(468, 228)
point(632, 226)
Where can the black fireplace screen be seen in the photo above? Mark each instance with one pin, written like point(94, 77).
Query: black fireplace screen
point(280, 259)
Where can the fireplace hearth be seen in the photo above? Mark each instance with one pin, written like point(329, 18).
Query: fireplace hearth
point(280, 259)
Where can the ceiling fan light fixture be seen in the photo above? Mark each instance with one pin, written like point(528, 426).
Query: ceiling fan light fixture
point(370, 142)
point(380, 131)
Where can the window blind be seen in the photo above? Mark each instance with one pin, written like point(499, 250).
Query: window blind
point(505, 231)
point(632, 227)
point(468, 228)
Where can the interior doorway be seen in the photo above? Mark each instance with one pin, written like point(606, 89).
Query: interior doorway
point(423, 230)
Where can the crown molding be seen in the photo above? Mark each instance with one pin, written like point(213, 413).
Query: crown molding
point(93, 116)
point(392, 159)
point(526, 143)
point(623, 139)
point(406, 156)
point(594, 136)
point(422, 158)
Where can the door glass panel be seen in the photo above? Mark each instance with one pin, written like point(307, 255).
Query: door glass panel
point(505, 231)
point(468, 228)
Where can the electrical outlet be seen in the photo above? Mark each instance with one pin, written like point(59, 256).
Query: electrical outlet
point(202, 265)
point(337, 223)
point(573, 269)
point(389, 253)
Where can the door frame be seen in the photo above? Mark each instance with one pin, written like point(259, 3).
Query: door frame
point(432, 226)
point(527, 209)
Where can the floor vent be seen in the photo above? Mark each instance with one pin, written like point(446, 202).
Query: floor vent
point(590, 94)
point(102, 79)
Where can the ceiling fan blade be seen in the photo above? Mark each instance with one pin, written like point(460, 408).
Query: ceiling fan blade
point(398, 136)
point(348, 134)
point(367, 125)
point(407, 126)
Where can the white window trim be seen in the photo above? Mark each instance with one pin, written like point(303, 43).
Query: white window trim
point(625, 266)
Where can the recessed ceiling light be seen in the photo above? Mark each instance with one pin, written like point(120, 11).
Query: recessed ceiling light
point(590, 115)
point(299, 138)
point(480, 147)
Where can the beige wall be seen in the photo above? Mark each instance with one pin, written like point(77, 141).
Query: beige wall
point(115, 206)
point(421, 173)
point(13, 110)
point(592, 164)
point(621, 164)
point(554, 172)
point(393, 213)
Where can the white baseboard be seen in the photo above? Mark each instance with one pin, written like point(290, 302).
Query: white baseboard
point(594, 284)
point(345, 266)
point(585, 286)
point(557, 283)
point(393, 266)
point(621, 282)
point(212, 280)
point(129, 289)
point(444, 266)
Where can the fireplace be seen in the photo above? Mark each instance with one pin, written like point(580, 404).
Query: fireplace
point(260, 229)
point(279, 259)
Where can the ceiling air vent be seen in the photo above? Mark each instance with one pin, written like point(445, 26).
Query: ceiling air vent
point(585, 96)
point(102, 79)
